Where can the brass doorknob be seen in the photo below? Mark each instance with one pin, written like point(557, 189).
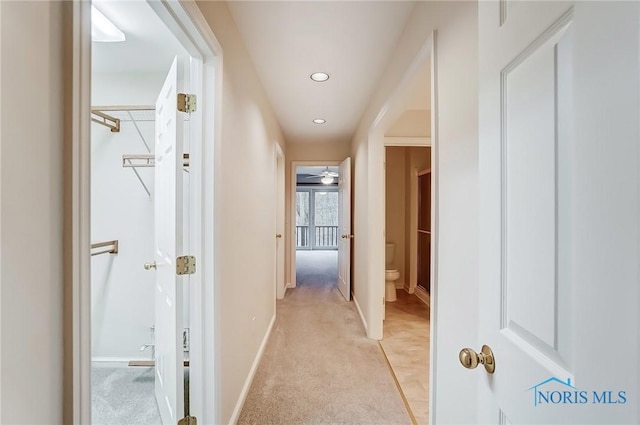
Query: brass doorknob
point(470, 359)
point(149, 266)
point(278, 236)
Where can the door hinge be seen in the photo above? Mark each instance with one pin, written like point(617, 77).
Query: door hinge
point(188, 420)
point(186, 264)
point(186, 102)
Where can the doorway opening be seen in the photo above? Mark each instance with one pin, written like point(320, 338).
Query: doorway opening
point(127, 79)
point(144, 170)
point(317, 232)
point(405, 134)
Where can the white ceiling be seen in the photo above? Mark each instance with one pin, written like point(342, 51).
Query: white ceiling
point(350, 40)
point(150, 46)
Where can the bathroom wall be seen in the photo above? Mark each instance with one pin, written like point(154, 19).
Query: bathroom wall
point(395, 210)
point(401, 164)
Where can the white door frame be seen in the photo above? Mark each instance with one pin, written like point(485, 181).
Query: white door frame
point(186, 22)
point(292, 225)
point(390, 111)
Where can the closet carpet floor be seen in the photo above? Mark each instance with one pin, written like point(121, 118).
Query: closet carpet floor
point(319, 367)
point(123, 396)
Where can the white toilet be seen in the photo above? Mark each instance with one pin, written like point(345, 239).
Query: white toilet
point(390, 274)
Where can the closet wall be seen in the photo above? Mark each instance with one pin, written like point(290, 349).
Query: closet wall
point(122, 291)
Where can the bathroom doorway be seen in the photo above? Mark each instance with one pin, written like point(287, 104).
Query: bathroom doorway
point(407, 268)
point(408, 215)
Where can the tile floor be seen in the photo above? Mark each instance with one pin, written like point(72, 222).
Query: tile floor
point(406, 345)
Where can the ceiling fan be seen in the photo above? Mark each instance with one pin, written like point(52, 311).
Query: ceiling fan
point(326, 174)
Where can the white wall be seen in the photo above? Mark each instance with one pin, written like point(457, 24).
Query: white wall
point(31, 212)
point(245, 220)
point(456, 25)
point(122, 294)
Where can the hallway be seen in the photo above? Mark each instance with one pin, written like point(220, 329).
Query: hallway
point(319, 367)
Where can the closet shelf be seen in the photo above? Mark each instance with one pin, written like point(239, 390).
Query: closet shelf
point(112, 250)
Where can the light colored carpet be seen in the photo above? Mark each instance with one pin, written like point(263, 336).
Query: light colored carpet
point(319, 367)
point(123, 396)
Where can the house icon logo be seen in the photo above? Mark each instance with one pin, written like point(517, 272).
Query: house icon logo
point(554, 391)
point(543, 396)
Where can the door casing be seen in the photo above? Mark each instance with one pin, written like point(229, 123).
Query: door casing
point(186, 22)
point(376, 203)
point(292, 224)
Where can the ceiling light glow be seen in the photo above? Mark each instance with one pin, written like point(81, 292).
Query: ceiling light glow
point(319, 76)
point(102, 29)
point(319, 121)
point(326, 180)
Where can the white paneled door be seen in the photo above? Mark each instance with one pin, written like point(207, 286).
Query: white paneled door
point(169, 376)
point(559, 251)
point(344, 225)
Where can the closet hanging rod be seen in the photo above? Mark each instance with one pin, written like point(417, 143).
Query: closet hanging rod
point(112, 116)
point(146, 160)
point(107, 120)
point(112, 244)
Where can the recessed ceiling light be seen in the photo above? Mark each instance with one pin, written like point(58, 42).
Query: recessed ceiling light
point(319, 121)
point(319, 76)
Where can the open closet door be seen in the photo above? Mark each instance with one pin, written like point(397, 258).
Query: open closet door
point(169, 364)
point(344, 223)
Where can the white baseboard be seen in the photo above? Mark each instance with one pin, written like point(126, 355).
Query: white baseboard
point(423, 296)
point(117, 361)
point(252, 373)
point(290, 285)
point(364, 322)
point(399, 285)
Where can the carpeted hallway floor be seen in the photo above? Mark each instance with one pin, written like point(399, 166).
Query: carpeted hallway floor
point(319, 367)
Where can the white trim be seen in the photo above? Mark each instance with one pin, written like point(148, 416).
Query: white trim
point(407, 141)
point(292, 224)
point(120, 361)
point(252, 373)
point(111, 363)
point(423, 296)
point(0, 229)
point(364, 322)
point(435, 227)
